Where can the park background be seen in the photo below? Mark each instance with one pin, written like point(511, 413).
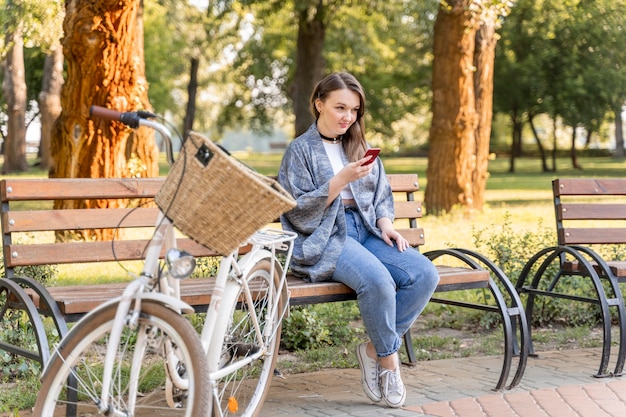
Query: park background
point(511, 93)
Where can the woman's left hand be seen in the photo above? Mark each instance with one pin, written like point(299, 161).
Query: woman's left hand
point(391, 235)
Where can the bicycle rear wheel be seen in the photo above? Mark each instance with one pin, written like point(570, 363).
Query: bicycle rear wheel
point(72, 382)
point(242, 390)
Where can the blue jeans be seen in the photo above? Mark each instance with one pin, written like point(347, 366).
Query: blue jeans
point(392, 287)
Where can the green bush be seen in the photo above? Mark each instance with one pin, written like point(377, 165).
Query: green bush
point(17, 330)
point(511, 250)
point(320, 325)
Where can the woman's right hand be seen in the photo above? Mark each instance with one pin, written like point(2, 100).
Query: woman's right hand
point(355, 170)
point(351, 172)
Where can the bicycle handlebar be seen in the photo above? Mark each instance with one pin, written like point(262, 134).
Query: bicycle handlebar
point(134, 119)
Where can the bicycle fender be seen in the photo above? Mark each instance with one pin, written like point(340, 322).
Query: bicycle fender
point(171, 302)
point(167, 300)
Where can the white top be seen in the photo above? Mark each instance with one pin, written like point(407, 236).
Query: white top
point(334, 152)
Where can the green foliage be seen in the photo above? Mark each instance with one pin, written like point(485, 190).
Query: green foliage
point(18, 395)
point(551, 60)
point(16, 330)
point(511, 249)
point(312, 327)
point(206, 267)
point(303, 329)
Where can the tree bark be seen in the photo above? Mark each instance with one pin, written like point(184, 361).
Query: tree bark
point(192, 89)
point(103, 49)
point(516, 140)
point(104, 67)
point(484, 58)
point(452, 144)
point(542, 152)
point(309, 63)
point(14, 91)
point(50, 103)
point(572, 151)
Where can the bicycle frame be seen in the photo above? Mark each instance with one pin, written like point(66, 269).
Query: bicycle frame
point(230, 290)
point(228, 282)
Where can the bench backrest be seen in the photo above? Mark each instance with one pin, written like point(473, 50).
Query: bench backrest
point(590, 211)
point(27, 208)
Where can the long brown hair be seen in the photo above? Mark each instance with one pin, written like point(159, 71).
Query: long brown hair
point(353, 142)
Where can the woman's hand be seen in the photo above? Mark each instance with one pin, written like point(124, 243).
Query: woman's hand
point(355, 170)
point(350, 172)
point(390, 234)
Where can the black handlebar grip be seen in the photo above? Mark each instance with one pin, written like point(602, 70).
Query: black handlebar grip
point(129, 118)
point(104, 113)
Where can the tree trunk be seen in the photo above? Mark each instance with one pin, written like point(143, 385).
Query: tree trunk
point(572, 151)
point(484, 58)
point(192, 89)
point(103, 49)
point(516, 141)
point(619, 135)
point(452, 145)
point(14, 91)
point(50, 103)
point(309, 64)
point(542, 152)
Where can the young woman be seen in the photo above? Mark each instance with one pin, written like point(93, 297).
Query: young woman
point(344, 220)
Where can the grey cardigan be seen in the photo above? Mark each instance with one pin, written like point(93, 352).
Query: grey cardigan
point(305, 172)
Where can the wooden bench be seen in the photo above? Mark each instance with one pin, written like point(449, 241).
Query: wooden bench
point(459, 269)
point(589, 213)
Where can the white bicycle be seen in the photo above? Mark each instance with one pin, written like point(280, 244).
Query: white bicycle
point(111, 361)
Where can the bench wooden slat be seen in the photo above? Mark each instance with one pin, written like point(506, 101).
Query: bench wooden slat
point(89, 252)
point(415, 236)
point(404, 183)
point(591, 236)
point(39, 220)
point(408, 209)
point(197, 292)
point(591, 211)
point(617, 267)
point(588, 186)
point(80, 188)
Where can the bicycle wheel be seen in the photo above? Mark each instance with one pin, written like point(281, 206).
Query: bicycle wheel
point(242, 390)
point(72, 382)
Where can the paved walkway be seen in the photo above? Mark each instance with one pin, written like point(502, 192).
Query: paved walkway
point(556, 384)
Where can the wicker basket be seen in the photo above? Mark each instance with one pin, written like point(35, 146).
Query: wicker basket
point(216, 200)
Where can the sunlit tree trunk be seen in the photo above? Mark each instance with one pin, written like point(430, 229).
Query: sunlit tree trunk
point(452, 144)
point(103, 49)
point(14, 91)
point(484, 58)
point(50, 103)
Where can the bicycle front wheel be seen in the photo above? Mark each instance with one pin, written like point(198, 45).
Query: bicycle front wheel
point(162, 348)
point(253, 330)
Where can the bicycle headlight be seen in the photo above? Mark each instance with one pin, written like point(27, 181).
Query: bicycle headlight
point(179, 263)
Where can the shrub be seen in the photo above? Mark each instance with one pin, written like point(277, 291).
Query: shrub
point(511, 250)
point(312, 327)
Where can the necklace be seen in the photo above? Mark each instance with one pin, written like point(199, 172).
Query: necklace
point(333, 140)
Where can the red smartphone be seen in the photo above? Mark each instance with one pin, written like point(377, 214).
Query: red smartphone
point(373, 152)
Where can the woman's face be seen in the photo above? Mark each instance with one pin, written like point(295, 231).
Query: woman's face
point(337, 112)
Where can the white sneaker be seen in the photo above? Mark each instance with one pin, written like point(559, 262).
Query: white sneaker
point(370, 371)
point(392, 388)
